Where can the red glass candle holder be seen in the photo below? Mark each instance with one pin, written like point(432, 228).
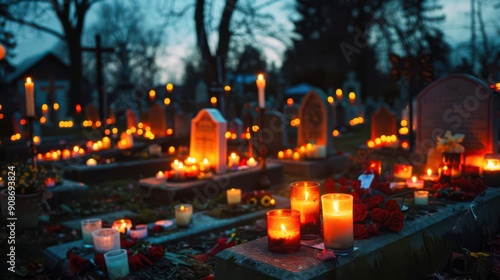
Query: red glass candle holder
point(283, 231)
point(374, 165)
point(305, 198)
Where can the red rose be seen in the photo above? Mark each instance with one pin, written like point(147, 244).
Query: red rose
point(156, 253)
point(360, 211)
point(396, 221)
point(374, 201)
point(75, 263)
point(329, 186)
point(391, 205)
point(356, 184)
point(385, 188)
point(360, 231)
point(100, 262)
point(134, 261)
point(355, 198)
point(372, 229)
point(127, 243)
point(157, 228)
point(380, 215)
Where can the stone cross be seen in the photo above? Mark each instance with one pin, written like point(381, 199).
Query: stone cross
point(51, 91)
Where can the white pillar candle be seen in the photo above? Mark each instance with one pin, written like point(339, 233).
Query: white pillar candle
point(251, 162)
point(183, 214)
point(91, 162)
point(106, 239)
point(89, 226)
point(140, 232)
point(421, 197)
point(234, 161)
point(29, 88)
point(117, 263)
point(233, 196)
point(261, 85)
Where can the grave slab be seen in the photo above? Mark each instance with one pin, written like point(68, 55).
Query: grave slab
point(135, 169)
point(319, 168)
point(68, 190)
point(201, 224)
point(161, 192)
point(422, 247)
point(109, 218)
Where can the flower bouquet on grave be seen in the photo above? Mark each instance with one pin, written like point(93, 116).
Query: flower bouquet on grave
point(448, 151)
point(462, 189)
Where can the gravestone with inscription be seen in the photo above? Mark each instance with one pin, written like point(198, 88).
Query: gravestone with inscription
point(273, 131)
point(207, 138)
point(157, 118)
point(316, 120)
point(383, 122)
point(461, 104)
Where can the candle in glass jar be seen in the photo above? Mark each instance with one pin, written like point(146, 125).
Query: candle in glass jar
point(403, 171)
point(305, 198)
point(414, 183)
point(421, 197)
point(233, 196)
point(139, 232)
point(183, 214)
point(374, 165)
point(106, 239)
point(89, 226)
point(122, 225)
point(233, 161)
point(338, 222)
point(429, 176)
point(117, 263)
point(251, 162)
point(491, 170)
point(283, 231)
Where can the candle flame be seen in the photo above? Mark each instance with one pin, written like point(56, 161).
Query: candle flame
point(233, 155)
point(205, 161)
point(429, 172)
point(182, 207)
point(445, 167)
point(283, 228)
point(260, 77)
point(307, 196)
point(414, 179)
point(28, 80)
point(336, 206)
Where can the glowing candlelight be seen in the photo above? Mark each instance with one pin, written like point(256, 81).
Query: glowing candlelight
point(251, 162)
point(261, 85)
point(414, 183)
point(106, 240)
point(183, 214)
point(421, 197)
point(305, 198)
point(283, 231)
point(29, 88)
point(338, 222)
point(233, 196)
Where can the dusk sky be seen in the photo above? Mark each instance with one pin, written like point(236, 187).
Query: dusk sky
point(179, 40)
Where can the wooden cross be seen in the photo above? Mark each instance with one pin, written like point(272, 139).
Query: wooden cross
point(98, 50)
point(51, 90)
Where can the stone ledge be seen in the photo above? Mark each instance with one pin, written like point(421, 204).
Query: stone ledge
point(422, 247)
point(319, 168)
point(68, 190)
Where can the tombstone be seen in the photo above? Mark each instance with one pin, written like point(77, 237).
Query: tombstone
point(236, 126)
point(383, 122)
point(157, 119)
point(201, 93)
point(207, 138)
point(182, 124)
point(132, 118)
point(462, 104)
point(352, 85)
point(316, 120)
point(92, 114)
point(273, 131)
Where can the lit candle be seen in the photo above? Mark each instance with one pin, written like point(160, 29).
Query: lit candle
point(179, 171)
point(117, 263)
point(251, 162)
point(139, 232)
point(352, 97)
point(171, 150)
point(29, 88)
point(164, 223)
point(160, 175)
point(50, 182)
point(444, 173)
point(283, 231)
point(305, 197)
point(261, 85)
point(338, 222)
point(414, 183)
point(302, 151)
point(281, 155)
point(106, 239)
point(191, 171)
point(429, 176)
point(122, 225)
point(233, 196)
point(233, 161)
point(402, 171)
point(374, 165)
point(91, 162)
point(89, 226)
point(491, 170)
point(421, 197)
point(183, 214)
point(338, 93)
point(106, 142)
point(288, 153)
point(66, 154)
point(296, 156)
point(204, 165)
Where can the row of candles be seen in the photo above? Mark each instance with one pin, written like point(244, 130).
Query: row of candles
point(309, 150)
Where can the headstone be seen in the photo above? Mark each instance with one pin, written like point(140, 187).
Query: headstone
point(182, 124)
point(462, 104)
point(157, 118)
point(201, 90)
point(316, 120)
point(383, 122)
point(236, 126)
point(352, 85)
point(207, 138)
point(132, 118)
point(92, 113)
point(273, 131)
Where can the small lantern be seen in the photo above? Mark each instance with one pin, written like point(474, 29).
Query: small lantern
point(491, 170)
